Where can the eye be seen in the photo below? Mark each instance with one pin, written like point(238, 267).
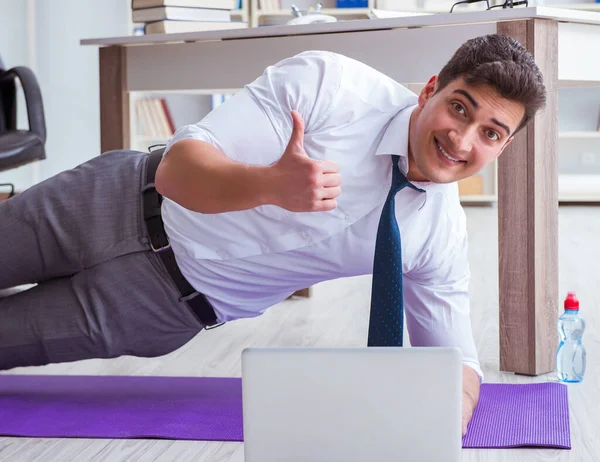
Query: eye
point(458, 107)
point(492, 135)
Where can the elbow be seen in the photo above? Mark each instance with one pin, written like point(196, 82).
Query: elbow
point(170, 186)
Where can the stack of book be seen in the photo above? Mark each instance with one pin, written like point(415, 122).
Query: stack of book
point(154, 120)
point(270, 5)
point(176, 16)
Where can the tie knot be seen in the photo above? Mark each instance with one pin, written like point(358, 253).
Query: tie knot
point(399, 181)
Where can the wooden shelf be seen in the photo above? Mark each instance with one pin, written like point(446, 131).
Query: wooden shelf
point(579, 135)
point(571, 199)
point(479, 198)
point(579, 188)
point(563, 196)
point(578, 83)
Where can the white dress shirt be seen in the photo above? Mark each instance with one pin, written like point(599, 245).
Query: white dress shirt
point(246, 261)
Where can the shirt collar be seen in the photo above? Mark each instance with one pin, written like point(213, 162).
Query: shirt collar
point(395, 138)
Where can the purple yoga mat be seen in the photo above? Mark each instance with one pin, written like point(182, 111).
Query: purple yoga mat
point(210, 409)
point(188, 408)
point(517, 415)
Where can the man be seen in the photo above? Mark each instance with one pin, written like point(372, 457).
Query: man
point(278, 189)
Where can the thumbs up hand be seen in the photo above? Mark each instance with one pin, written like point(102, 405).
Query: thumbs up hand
point(301, 184)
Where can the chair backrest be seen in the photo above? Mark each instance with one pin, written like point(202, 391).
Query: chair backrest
point(2, 116)
point(8, 102)
point(19, 147)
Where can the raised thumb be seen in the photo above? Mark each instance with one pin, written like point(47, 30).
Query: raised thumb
point(297, 129)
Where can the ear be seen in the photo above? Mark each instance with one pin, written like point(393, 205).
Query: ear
point(428, 90)
point(504, 147)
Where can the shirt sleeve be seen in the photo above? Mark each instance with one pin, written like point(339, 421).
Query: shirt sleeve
point(436, 297)
point(255, 124)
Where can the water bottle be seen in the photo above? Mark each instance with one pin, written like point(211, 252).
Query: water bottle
point(570, 357)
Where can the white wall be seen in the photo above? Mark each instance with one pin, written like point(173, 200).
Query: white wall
point(14, 51)
point(67, 73)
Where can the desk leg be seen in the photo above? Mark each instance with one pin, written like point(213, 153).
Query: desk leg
point(114, 99)
point(528, 220)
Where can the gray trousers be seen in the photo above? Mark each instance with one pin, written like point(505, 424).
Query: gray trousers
point(101, 292)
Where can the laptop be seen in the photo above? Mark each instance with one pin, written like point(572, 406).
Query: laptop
point(352, 404)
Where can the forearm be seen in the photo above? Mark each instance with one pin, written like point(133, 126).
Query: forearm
point(201, 178)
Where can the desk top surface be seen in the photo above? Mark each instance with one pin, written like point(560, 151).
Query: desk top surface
point(422, 20)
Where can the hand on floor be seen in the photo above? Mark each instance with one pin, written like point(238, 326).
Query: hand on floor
point(467, 412)
point(470, 396)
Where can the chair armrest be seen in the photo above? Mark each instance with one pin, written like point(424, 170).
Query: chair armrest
point(33, 98)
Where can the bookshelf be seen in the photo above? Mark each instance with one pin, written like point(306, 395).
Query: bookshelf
point(151, 121)
point(579, 130)
point(155, 124)
point(151, 124)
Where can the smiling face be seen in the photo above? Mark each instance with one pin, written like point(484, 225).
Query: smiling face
point(457, 131)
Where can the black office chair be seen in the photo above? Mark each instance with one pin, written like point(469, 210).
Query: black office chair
point(20, 147)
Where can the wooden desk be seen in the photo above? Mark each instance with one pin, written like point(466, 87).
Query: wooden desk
point(410, 50)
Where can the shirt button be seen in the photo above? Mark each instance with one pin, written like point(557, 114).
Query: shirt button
point(305, 236)
point(221, 253)
point(264, 247)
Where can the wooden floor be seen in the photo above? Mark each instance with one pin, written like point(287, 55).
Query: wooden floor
point(336, 315)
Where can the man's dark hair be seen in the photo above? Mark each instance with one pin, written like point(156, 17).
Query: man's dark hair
point(504, 64)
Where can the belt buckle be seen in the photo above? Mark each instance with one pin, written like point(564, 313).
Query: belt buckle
point(163, 248)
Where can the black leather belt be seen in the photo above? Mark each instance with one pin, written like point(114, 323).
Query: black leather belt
point(160, 244)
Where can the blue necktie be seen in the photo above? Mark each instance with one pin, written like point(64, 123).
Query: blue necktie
point(387, 305)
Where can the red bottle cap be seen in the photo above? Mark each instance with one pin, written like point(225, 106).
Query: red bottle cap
point(571, 302)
